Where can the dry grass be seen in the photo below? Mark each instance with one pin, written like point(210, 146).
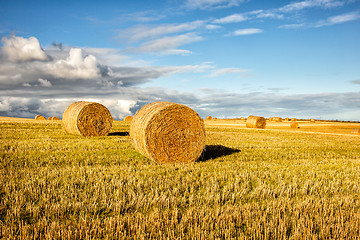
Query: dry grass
point(168, 132)
point(87, 119)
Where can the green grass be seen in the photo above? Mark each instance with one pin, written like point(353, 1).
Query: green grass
point(257, 184)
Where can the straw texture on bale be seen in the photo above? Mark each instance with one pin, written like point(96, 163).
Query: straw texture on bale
point(39, 117)
point(87, 119)
point(255, 122)
point(168, 132)
point(208, 118)
point(128, 118)
point(294, 125)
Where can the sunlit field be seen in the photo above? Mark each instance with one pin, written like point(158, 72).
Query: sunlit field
point(273, 183)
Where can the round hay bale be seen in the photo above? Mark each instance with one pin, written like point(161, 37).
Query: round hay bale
point(168, 132)
point(128, 118)
point(287, 119)
point(55, 118)
point(312, 120)
point(39, 117)
point(277, 119)
point(208, 118)
point(87, 119)
point(355, 131)
point(242, 118)
point(294, 125)
point(293, 119)
point(50, 118)
point(255, 122)
point(215, 118)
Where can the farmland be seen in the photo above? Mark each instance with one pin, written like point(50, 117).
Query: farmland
point(277, 182)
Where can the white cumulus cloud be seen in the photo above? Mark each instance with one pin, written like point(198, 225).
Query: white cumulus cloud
point(75, 66)
point(23, 49)
point(44, 82)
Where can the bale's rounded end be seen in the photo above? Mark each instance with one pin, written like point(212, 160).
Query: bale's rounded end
point(87, 119)
point(255, 122)
point(294, 125)
point(128, 118)
point(39, 117)
point(168, 132)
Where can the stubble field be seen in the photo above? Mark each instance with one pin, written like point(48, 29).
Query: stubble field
point(277, 183)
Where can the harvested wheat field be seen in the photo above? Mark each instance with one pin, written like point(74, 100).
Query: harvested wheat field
point(282, 182)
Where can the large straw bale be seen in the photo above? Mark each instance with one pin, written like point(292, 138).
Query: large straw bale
point(209, 118)
point(168, 132)
point(39, 117)
point(128, 118)
point(294, 125)
point(87, 119)
point(255, 122)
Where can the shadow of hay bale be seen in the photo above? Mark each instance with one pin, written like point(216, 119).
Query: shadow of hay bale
point(215, 151)
point(119, 134)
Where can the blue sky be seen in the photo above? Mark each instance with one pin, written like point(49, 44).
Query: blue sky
point(224, 58)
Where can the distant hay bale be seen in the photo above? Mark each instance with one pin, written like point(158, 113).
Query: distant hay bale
point(255, 122)
point(312, 120)
point(87, 119)
point(128, 118)
point(278, 119)
point(355, 131)
point(293, 119)
point(294, 125)
point(49, 118)
point(55, 118)
point(168, 132)
point(215, 118)
point(242, 118)
point(39, 117)
point(286, 119)
point(208, 118)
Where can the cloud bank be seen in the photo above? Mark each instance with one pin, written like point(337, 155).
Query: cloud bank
point(46, 81)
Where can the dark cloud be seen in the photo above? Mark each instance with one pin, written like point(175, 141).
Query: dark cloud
point(57, 45)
